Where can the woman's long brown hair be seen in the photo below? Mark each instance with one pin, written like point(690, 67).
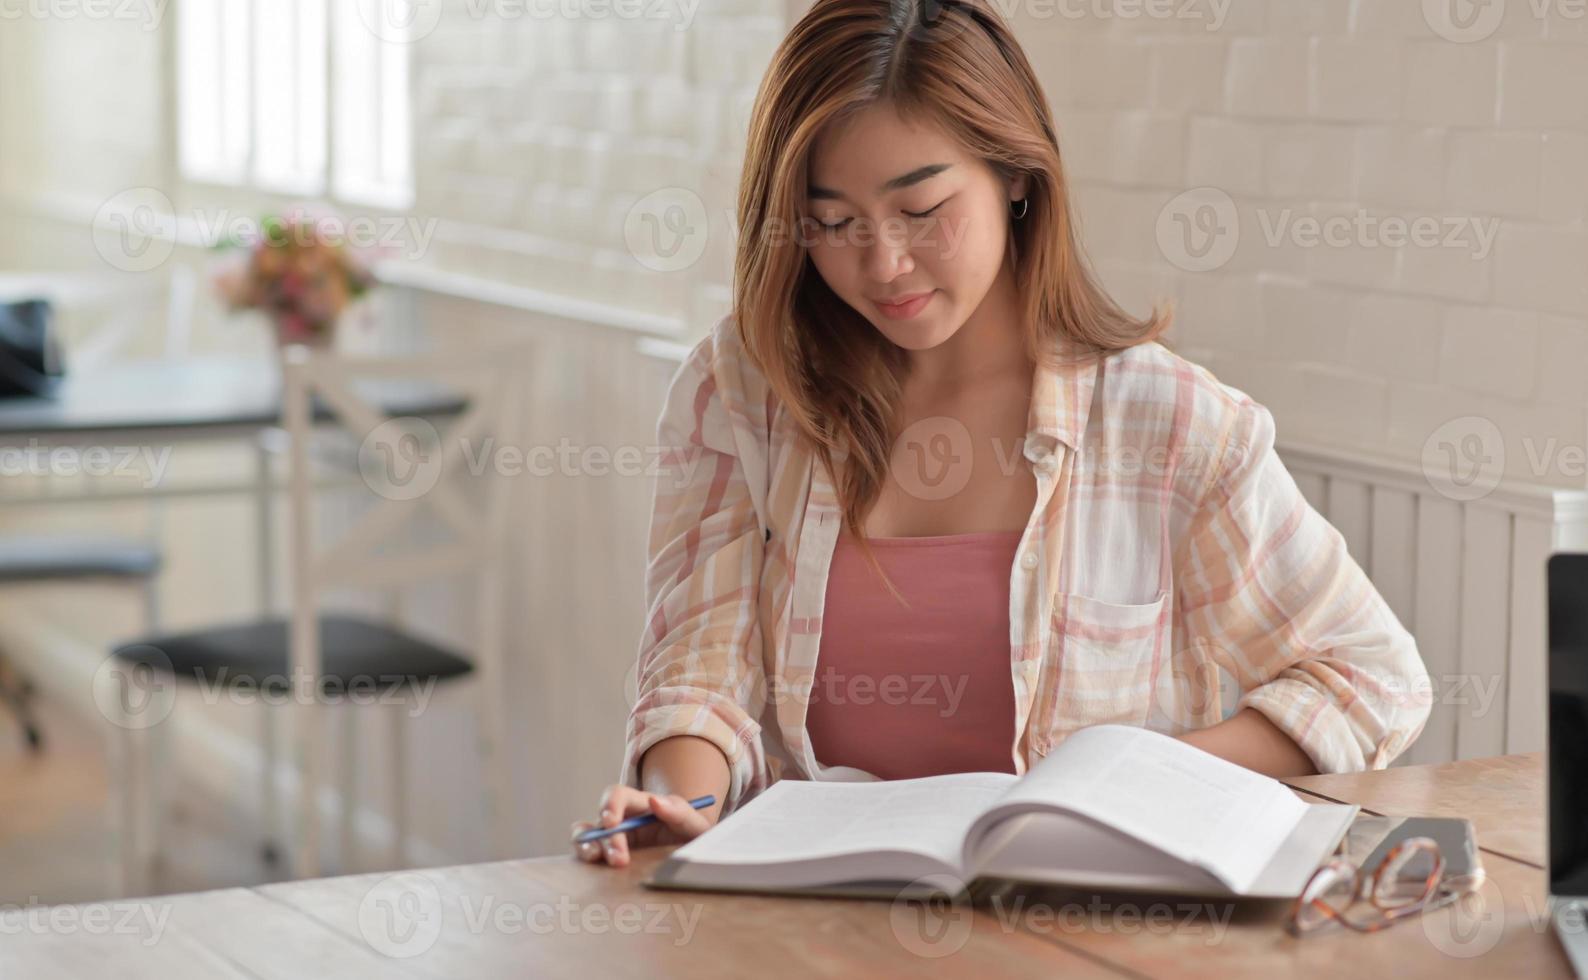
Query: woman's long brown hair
point(952, 63)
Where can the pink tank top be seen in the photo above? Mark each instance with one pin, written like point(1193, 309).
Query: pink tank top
point(920, 691)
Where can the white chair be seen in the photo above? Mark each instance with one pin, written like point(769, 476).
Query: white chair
point(316, 649)
point(32, 559)
point(108, 312)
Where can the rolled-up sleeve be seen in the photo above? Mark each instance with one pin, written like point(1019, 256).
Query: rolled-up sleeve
point(1266, 582)
point(699, 668)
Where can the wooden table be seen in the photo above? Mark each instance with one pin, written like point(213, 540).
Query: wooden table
point(554, 916)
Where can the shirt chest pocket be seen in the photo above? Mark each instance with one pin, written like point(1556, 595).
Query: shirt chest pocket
point(1103, 660)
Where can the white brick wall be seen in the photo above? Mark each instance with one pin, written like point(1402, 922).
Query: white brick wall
point(536, 138)
point(556, 129)
point(1345, 108)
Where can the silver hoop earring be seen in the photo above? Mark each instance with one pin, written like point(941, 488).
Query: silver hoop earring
point(1025, 205)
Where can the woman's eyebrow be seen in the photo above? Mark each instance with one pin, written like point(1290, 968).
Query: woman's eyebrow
point(904, 180)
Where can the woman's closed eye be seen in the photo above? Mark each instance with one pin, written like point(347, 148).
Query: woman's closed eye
point(927, 212)
point(912, 214)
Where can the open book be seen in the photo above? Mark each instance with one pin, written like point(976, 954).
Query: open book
point(1113, 806)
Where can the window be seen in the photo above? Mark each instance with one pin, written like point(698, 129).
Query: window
point(258, 83)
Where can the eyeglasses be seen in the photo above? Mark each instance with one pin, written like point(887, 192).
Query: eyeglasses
point(1409, 879)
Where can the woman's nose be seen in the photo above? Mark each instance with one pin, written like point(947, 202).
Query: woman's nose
point(888, 256)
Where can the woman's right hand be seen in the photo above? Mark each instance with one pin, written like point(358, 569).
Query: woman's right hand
point(676, 822)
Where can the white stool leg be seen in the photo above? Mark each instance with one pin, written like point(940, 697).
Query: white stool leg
point(493, 765)
point(133, 805)
point(346, 846)
point(269, 849)
point(123, 810)
point(307, 736)
point(157, 764)
point(399, 784)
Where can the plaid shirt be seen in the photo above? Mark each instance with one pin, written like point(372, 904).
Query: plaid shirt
point(1171, 572)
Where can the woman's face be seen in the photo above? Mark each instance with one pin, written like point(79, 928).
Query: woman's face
point(898, 211)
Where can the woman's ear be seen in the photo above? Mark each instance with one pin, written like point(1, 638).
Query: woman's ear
point(1018, 188)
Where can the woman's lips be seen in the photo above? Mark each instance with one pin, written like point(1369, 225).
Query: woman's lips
point(908, 308)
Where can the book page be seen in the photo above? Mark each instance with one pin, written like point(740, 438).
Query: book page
point(797, 819)
point(1173, 796)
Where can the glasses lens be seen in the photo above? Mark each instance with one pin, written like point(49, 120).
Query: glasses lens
point(1409, 874)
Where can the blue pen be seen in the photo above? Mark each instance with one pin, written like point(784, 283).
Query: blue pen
point(598, 833)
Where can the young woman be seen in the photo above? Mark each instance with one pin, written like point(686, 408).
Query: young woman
point(934, 501)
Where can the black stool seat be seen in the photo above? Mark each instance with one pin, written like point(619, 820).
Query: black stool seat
point(34, 558)
point(356, 655)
